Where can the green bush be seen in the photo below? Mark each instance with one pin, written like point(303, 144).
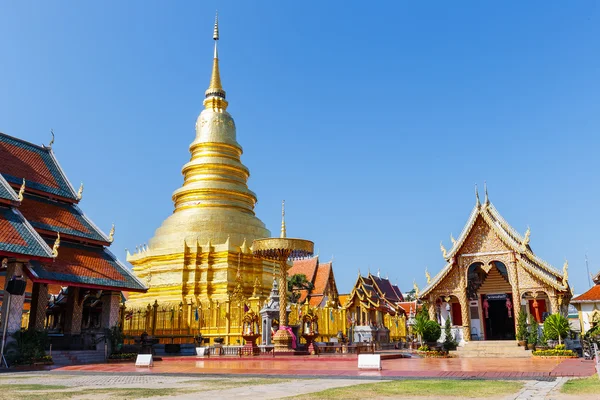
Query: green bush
point(561, 347)
point(532, 337)
point(432, 331)
point(28, 347)
point(556, 327)
point(522, 326)
point(449, 342)
point(122, 356)
point(554, 353)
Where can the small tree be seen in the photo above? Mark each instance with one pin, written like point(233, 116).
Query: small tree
point(449, 342)
point(432, 331)
point(556, 327)
point(533, 331)
point(296, 283)
point(522, 326)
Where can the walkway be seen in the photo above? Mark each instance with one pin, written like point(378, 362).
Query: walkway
point(488, 368)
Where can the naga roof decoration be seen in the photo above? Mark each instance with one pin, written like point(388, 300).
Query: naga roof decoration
point(17, 236)
point(87, 266)
point(37, 165)
point(68, 219)
point(510, 237)
point(7, 194)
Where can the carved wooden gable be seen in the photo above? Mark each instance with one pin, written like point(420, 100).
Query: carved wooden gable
point(482, 239)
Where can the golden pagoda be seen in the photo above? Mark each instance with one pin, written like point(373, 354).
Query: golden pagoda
point(197, 253)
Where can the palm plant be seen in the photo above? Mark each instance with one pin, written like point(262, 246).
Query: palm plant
point(556, 327)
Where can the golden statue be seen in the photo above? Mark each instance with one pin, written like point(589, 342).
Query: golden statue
point(444, 251)
point(428, 276)
point(565, 279)
point(21, 191)
point(56, 245)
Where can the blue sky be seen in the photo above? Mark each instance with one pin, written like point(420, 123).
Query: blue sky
point(372, 121)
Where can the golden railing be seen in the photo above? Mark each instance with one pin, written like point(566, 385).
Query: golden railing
point(180, 323)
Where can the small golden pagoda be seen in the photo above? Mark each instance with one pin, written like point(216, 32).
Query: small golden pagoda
point(195, 254)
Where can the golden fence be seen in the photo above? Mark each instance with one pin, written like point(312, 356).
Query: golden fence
point(180, 323)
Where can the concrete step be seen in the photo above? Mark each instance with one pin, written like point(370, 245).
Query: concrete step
point(492, 349)
point(525, 354)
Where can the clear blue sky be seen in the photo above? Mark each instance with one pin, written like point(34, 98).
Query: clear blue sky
point(372, 120)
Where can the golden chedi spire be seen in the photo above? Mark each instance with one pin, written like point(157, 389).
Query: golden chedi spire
point(283, 231)
point(214, 201)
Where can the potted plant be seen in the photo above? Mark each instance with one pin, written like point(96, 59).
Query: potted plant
point(522, 329)
point(532, 338)
point(556, 327)
point(542, 343)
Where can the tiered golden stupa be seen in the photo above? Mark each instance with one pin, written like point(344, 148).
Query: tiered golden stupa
point(195, 254)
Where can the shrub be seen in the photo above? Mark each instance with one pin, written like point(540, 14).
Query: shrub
point(556, 327)
point(522, 326)
point(122, 356)
point(419, 327)
point(449, 342)
point(432, 331)
point(423, 348)
point(28, 347)
point(554, 353)
point(561, 347)
point(533, 330)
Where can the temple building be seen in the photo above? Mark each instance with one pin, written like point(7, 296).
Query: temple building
point(375, 310)
point(47, 241)
point(193, 259)
point(324, 290)
point(588, 306)
point(491, 274)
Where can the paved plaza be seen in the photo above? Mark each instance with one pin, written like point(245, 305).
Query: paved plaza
point(485, 368)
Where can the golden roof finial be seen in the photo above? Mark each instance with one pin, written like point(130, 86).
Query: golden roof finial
point(444, 251)
point(21, 191)
point(215, 95)
point(56, 245)
point(565, 279)
point(428, 276)
point(283, 232)
point(52, 140)
point(452, 240)
point(80, 192)
point(487, 200)
point(416, 289)
point(477, 195)
point(111, 234)
point(526, 238)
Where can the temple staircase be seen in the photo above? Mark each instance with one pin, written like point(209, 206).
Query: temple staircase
point(492, 349)
point(78, 357)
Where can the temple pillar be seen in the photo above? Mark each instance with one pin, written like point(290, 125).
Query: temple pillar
point(15, 313)
point(554, 307)
point(110, 309)
point(39, 303)
point(74, 312)
point(464, 309)
point(431, 308)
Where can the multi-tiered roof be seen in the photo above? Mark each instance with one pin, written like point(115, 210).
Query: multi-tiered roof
point(41, 222)
point(376, 293)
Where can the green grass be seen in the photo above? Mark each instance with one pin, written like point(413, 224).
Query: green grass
point(589, 385)
point(415, 388)
point(212, 384)
point(31, 386)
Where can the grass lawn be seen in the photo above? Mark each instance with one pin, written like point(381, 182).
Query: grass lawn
point(589, 385)
point(415, 388)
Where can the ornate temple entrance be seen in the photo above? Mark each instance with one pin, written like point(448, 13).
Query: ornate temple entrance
point(500, 323)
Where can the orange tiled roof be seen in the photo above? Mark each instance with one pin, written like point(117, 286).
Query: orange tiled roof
point(322, 278)
point(591, 295)
point(315, 301)
point(307, 267)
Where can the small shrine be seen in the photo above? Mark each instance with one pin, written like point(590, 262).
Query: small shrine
point(310, 329)
point(269, 315)
point(251, 332)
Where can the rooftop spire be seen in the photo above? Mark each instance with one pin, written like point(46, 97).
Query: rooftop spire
point(215, 95)
point(283, 233)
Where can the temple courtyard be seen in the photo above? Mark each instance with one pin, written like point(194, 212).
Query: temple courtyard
point(310, 378)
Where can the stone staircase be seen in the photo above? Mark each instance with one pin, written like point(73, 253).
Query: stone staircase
point(78, 357)
point(492, 349)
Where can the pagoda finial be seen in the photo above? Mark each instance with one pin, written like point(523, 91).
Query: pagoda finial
point(283, 232)
point(111, 234)
point(80, 192)
point(21, 191)
point(487, 199)
point(215, 95)
point(477, 195)
point(56, 245)
point(428, 276)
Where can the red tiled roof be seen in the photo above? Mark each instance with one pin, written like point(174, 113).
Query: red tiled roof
point(591, 295)
point(408, 305)
point(315, 301)
point(56, 216)
point(18, 237)
point(23, 160)
point(322, 278)
point(86, 266)
point(307, 267)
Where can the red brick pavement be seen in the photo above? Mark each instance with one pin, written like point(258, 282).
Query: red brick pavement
point(485, 368)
